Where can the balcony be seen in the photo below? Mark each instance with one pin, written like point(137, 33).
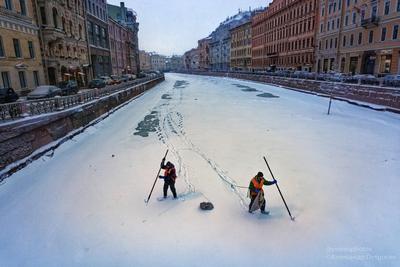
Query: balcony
point(52, 34)
point(370, 23)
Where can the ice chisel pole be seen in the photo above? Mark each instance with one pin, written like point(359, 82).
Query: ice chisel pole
point(155, 181)
point(277, 186)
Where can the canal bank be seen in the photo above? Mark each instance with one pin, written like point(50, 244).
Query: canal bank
point(374, 97)
point(25, 140)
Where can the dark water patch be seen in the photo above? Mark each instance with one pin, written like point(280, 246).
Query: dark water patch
point(268, 95)
point(181, 84)
point(149, 124)
point(249, 90)
point(245, 88)
point(166, 96)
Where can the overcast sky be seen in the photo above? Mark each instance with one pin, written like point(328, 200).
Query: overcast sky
point(174, 26)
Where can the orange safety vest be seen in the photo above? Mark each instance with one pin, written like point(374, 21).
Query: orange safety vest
point(257, 185)
point(169, 171)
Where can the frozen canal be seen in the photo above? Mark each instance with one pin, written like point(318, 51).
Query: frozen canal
point(340, 175)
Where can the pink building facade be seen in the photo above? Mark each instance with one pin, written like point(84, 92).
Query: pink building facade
point(119, 48)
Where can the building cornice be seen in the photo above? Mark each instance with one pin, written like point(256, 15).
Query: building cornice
point(16, 22)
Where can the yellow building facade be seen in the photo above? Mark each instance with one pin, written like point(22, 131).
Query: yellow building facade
point(20, 57)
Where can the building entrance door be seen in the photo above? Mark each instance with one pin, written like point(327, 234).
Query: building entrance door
point(368, 65)
point(52, 75)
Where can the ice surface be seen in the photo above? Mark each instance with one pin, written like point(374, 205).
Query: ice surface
point(83, 205)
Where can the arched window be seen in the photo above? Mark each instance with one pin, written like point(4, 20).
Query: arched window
point(80, 31)
point(55, 17)
point(63, 23)
point(71, 28)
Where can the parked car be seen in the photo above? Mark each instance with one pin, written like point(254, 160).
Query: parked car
point(97, 83)
point(8, 95)
point(116, 79)
point(302, 74)
point(130, 77)
point(337, 77)
point(124, 78)
point(141, 75)
point(367, 79)
point(69, 87)
point(391, 80)
point(107, 80)
point(44, 91)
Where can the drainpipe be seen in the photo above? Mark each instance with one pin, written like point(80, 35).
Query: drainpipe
point(41, 40)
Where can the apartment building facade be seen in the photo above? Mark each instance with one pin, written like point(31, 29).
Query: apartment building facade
point(204, 53)
point(98, 38)
point(364, 35)
point(284, 35)
point(63, 40)
point(20, 59)
point(241, 47)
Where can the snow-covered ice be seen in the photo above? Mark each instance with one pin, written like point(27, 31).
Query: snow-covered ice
point(339, 174)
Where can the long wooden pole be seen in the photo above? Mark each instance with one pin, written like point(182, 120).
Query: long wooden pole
point(277, 186)
point(155, 181)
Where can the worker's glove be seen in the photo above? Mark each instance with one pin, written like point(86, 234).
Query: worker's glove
point(275, 181)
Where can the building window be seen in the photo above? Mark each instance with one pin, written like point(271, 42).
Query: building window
point(351, 40)
point(340, 4)
point(55, 17)
point(90, 32)
point(22, 79)
point(36, 78)
point(387, 7)
point(344, 40)
point(398, 5)
point(354, 17)
point(371, 37)
point(23, 7)
point(374, 11)
point(348, 2)
point(17, 48)
point(359, 38)
point(346, 21)
point(9, 4)
point(43, 15)
point(80, 31)
point(328, 26)
point(383, 34)
point(395, 32)
point(31, 49)
point(71, 29)
point(1, 47)
point(6, 79)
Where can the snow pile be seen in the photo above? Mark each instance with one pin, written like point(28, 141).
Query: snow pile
point(83, 205)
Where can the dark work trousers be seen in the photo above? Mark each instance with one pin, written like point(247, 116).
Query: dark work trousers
point(252, 201)
point(169, 183)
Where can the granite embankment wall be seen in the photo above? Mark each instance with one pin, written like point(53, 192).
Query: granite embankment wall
point(389, 98)
point(22, 139)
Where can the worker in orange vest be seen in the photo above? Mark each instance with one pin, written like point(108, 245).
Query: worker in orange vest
point(169, 177)
point(255, 187)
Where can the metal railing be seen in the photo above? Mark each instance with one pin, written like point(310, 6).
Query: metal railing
point(18, 110)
